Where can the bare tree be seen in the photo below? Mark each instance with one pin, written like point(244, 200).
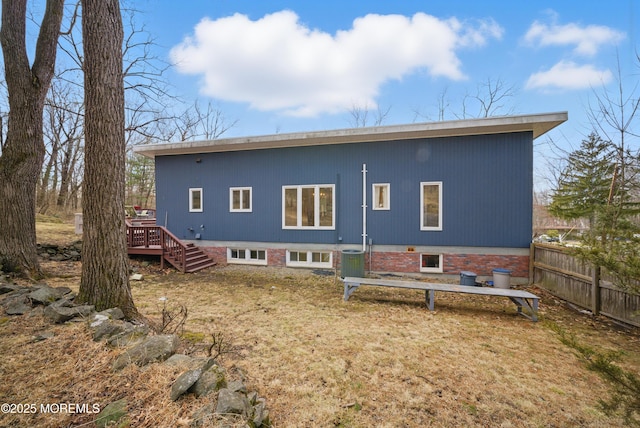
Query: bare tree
point(360, 116)
point(614, 114)
point(105, 267)
point(63, 141)
point(23, 151)
point(490, 99)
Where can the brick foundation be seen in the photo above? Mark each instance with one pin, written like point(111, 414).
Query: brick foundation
point(408, 262)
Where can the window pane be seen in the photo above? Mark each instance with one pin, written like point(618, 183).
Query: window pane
point(302, 256)
point(326, 257)
point(254, 254)
point(241, 254)
point(381, 196)
point(431, 214)
point(293, 256)
point(308, 206)
point(196, 200)
point(326, 206)
point(234, 254)
point(246, 199)
point(262, 255)
point(291, 207)
point(430, 261)
point(315, 257)
point(236, 199)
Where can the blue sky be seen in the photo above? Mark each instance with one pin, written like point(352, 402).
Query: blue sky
point(284, 66)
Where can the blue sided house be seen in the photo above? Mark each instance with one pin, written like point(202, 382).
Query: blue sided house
point(440, 197)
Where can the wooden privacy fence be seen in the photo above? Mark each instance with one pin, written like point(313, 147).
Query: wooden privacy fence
point(569, 278)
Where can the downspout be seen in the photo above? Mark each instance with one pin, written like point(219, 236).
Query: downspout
point(364, 207)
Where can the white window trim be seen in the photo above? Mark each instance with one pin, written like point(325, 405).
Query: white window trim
point(310, 263)
point(247, 259)
point(192, 190)
point(431, 183)
point(316, 206)
point(431, 269)
point(240, 210)
point(374, 197)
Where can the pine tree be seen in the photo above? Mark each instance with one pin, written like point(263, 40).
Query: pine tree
point(584, 185)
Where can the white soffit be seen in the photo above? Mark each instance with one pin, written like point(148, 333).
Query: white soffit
point(539, 124)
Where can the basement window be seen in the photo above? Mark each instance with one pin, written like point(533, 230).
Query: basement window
point(431, 263)
point(323, 259)
point(246, 256)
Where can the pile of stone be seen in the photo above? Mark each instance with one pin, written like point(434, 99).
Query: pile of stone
point(202, 377)
point(60, 253)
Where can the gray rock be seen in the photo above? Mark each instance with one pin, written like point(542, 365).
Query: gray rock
point(203, 416)
point(62, 303)
point(261, 415)
point(237, 386)
point(211, 380)
point(109, 328)
point(151, 349)
point(186, 380)
point(230, 402)
point(8, 288)
point(17, 306)
point(43, 336)
point(59, 314)
point(112, 313)
point(186, 361)
point(112, 413)
point(129, 337)
point(46, 295)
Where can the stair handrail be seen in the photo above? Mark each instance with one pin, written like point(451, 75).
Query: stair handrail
point(173, 249)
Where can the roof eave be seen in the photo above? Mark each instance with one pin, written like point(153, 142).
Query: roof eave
point(539, 124)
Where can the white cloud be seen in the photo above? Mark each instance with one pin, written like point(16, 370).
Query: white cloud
point(586, 40)
point(568, 75)
point(278, 64)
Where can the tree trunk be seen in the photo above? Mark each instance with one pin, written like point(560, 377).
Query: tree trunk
point(105, 267)
point(23, 152)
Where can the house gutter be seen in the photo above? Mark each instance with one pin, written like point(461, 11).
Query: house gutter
point(364, 208)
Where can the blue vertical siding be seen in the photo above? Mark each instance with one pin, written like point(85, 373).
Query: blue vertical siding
point(486, 184)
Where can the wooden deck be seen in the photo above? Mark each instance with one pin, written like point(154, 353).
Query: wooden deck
point(145, 237)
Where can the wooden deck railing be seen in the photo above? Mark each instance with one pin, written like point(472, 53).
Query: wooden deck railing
point(144, 234)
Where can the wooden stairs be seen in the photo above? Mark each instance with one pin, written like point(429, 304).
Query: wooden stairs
point(145, 237)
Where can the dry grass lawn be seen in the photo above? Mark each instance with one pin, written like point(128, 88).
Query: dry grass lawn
point(381, 359)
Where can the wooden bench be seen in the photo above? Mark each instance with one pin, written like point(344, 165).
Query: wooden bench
point(519, 297)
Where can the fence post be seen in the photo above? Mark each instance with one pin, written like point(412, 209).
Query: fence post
point(532, 260)
point(595, 291)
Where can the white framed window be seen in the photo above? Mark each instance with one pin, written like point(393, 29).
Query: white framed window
point(246, 256)
point(381, 198)
point(323, 259)
point(195, 200)
point(431, 205)
point(308, 207)
point(431, 263)
point(240, 199)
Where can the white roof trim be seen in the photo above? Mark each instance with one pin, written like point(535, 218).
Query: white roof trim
point(539, 124)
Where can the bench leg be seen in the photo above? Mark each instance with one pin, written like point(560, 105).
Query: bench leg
point(430, 296)
point(531, 308)
point(349, 288)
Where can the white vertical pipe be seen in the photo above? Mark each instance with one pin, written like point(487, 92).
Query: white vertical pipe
point(364, 207)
